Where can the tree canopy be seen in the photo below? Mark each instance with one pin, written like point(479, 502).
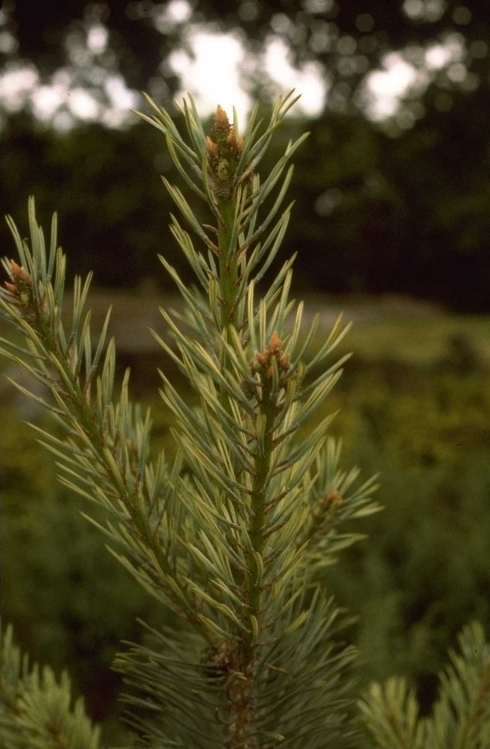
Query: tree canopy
point(393, 204)
point(446, 42)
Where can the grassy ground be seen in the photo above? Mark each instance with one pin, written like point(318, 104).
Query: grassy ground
point(402, 328)
point(391, 328)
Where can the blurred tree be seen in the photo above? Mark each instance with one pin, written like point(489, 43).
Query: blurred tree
point(438, 172)
point(444, 40)
point(89, 176)
point(392, 204)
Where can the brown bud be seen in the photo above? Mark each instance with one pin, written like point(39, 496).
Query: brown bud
point(263, 360)
point(22, 281)
point(11, 287)
point(335, 498)
point(274, 345)
point(19, 274)
point(221, 121)
point(231, 138)
point(211, 147)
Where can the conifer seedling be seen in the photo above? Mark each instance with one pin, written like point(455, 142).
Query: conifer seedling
point(232, 536)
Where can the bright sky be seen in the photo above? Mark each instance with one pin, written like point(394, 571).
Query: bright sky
point(72, 92)
point(212, 83)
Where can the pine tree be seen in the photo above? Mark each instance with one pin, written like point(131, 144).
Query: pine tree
point(231, 536)
point(460, 718)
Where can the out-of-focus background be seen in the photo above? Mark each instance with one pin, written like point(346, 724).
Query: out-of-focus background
point(391, 224)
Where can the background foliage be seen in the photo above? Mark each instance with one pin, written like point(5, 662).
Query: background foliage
point(425, 427)
point(397, 205)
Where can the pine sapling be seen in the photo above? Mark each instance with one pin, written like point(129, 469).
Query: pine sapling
point(232, 535)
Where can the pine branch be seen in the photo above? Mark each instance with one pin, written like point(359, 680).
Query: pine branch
point(461, 716)
point(36, 710)
point(104, 453)
point(231, 535)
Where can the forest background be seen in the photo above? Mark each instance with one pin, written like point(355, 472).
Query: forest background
point(391, 222)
